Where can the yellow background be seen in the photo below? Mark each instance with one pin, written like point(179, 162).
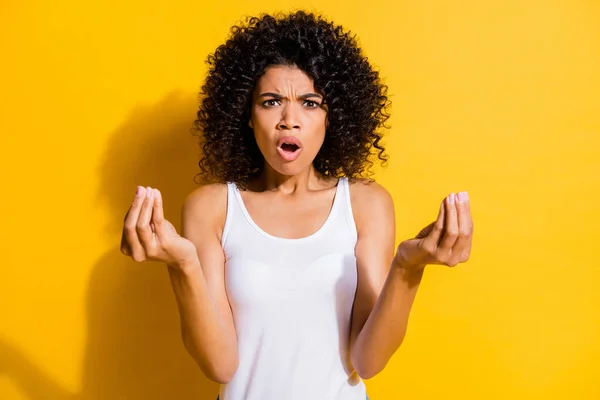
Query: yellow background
point(499, 98)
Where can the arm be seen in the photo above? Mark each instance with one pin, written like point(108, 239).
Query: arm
point(388, 283)
point(207, 326)
point(385, 292)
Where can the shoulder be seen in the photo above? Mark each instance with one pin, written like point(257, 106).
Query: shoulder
point(206, 205)
point(370, 202)
point(206, 195)
point(366, 193)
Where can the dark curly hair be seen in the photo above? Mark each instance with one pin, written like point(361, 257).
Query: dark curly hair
point(353, 93)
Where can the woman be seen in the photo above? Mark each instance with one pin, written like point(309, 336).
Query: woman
point(286, 275)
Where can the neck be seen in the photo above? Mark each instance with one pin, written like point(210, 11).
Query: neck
point(308, 179)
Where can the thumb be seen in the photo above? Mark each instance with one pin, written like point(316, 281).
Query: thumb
point(157, 209)
point(425, 231)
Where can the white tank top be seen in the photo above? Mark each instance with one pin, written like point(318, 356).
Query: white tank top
point(292, 306)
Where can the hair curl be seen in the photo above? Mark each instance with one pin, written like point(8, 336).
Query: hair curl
point(355, 97)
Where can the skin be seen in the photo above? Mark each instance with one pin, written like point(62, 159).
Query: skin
point(388, 276)
point(285, 103)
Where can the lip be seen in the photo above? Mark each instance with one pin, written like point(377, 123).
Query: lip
point(290, 140)
point(287, 155)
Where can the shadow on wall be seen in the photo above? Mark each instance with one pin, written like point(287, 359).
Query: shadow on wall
point(134, 349)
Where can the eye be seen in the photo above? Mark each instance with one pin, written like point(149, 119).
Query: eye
point(270, 103)
point(312, 104)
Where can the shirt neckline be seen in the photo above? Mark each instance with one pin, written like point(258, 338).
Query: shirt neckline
point(317, 233)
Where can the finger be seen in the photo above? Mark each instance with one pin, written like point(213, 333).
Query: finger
point(463, 242)
point(130, 243)
point(143, 222)
point(469, 213)
point(433, 239)
point(157, 211)
point(451, 228)
point(158, 217)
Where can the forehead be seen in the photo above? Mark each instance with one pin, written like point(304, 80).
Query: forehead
point(283, 78)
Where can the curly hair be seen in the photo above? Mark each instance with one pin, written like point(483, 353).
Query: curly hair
point(353, 93)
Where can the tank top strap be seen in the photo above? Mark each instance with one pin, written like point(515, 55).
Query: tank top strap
point(231, 211)
point(346, 204)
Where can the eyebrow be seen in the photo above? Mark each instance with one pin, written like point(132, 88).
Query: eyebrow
point(301, 97)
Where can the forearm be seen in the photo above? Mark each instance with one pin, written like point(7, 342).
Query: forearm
point(386, 325)
point(203, 330)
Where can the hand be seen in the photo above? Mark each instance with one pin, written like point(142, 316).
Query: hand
point(447, 241)
point(147, 235)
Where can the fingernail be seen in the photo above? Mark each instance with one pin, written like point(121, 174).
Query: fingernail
point(149, 192)
point(138, 193)
point(451, 198)
point(464, 197)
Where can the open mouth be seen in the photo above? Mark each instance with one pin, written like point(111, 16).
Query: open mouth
point(292, 147)
point(289, 148)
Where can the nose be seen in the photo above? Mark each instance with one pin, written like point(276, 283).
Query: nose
point(289, 117)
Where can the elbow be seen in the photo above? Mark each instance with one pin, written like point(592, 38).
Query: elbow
point(221, 372)
point(366, 368)
point(367, 373)
point(224, 372)
point(218, 368)
point(221, 376)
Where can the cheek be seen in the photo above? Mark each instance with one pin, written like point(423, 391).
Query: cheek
point(262, 140)
point(318, 130)
point(317, 141)
point(262, 133)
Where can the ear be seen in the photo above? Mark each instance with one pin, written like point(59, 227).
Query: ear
point(250, 123)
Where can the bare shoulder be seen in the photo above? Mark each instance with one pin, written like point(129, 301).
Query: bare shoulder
point(206, 206)
point(370, 201)
point(365, 192)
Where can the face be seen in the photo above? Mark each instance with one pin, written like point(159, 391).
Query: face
point(288, 119)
